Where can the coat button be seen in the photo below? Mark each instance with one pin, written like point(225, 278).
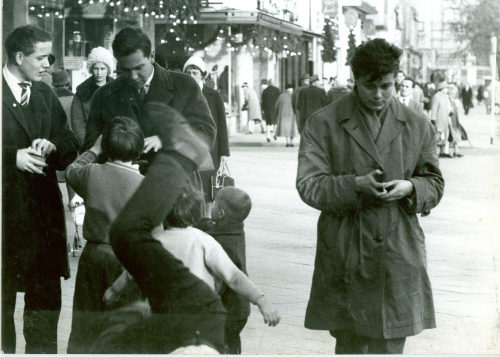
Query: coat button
point(14, 105)
point(379, 239)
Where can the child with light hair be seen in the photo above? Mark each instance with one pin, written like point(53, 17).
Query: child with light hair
point(201, 253)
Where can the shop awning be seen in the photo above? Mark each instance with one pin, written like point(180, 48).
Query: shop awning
point(240, 17)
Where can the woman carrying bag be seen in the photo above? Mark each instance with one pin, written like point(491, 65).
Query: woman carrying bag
point(196, 68)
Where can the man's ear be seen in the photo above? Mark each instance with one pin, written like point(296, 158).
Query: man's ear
point(222, 213)
point(152, 57)
point(19, 58)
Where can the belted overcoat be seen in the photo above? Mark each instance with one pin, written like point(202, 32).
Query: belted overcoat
point(370, 272)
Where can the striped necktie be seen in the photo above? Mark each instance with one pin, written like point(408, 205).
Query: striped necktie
point(24, 93)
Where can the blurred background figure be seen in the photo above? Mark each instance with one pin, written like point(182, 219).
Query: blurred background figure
point(252, 105)
point(196, 68)
point(310, 100)
point(62, 85)
point(269, 97)
point(406, 95)
point(455, 128)
point(441, 112)
point(287, 125)
point(400, 76)
point(212, 79)
point(466, 95)
point(100, 64)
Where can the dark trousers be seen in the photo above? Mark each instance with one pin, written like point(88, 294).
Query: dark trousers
point(350, 343)
point(232, 336)
point(42, 306)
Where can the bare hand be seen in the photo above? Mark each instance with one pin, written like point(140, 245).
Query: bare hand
point(43, 147)
point(270, 314)
point(110, 296)
point(368, 184)
point(97, 148)
point(152, 142)
point(26, 162)
point(397, 189)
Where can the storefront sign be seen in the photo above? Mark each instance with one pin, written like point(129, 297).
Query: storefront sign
point(74, 63)
point(283, 9)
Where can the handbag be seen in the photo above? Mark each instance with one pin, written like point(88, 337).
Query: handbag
point(222, 179)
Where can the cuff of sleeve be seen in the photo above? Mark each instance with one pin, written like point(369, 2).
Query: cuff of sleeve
point(410, 202)
point(351, 198)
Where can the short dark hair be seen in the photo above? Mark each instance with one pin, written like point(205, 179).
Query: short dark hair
point(129, 40)
point(235, 202)
point(122, 139)
point(375, 58)
point(23, 39)
point(187, 210)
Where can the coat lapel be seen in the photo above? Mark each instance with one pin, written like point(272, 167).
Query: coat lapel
point(355, 128)
point(392, 126)
point(161, 88)
point(42, 121)
point(14, 107)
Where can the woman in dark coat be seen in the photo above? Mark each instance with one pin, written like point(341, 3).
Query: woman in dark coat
point(195, 67)
point(100, 66)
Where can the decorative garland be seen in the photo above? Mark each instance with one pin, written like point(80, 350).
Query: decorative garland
point(47, 8)
point(352, 47)
point(329, 52)
point(242, 36)
point(179, 11)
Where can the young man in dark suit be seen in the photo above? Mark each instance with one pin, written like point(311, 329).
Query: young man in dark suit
point(36, 142)
point(142, 81)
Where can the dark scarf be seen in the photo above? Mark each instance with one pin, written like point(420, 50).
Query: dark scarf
point(87, 88)
point(372, 120)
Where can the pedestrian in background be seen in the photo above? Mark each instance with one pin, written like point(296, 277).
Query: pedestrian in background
point(455, 126)
point(466, 95)
point(440, 115)
point(310, 100)
point(269, 97)
point(196, 68)
point(369, 188)
point(287, 125)
point(36, 141)
point(406, 95)
point(100, 65)
point(336, 92)
point(400, 76)
point(418, 94)
point(305, 81)
point(223, 84)
point(252, 105)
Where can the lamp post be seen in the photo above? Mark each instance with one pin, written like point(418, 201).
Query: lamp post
point(493, 64)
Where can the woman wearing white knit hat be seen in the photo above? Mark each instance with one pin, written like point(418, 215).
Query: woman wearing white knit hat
point(100, 64)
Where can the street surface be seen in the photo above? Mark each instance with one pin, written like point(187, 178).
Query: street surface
point(462, 247)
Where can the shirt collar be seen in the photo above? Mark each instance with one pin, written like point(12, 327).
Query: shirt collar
point(150, 78)
point(13, 82)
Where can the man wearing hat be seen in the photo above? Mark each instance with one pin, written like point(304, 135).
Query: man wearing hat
point(36, 141)
point(141, 81)
point(440, 114)
point(310, 100)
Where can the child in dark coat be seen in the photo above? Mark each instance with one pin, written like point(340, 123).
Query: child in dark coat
point(231, 206)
